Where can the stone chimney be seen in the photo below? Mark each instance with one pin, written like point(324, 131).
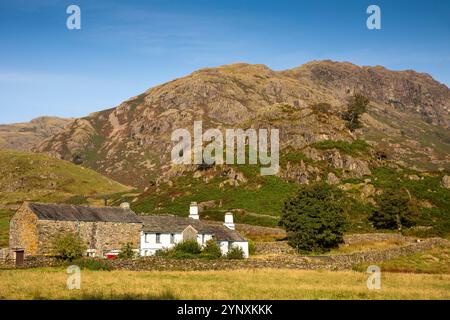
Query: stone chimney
point(193, 211)
point(229, 222)
point(125, 205)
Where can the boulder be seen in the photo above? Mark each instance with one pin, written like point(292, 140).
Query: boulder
point(446, 181)
point(332, 179)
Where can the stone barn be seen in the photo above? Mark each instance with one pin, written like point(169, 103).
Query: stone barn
point(104, 230)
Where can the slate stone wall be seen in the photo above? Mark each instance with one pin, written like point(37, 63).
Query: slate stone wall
point(288, 261)
point(37, 236)
point(23, 231)
point(102, 236)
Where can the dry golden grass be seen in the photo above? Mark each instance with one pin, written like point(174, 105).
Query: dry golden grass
point(435, 260)
point(239, 284)
point(368, 246)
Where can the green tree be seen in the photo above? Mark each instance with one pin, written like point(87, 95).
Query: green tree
point(314, 218)
point(395, 211)
point(357, 105)
point(68, 246)
point(211, 250)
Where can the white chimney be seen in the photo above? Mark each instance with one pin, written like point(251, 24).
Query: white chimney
point(229, 223)
point(125, 205)
point(193, 211)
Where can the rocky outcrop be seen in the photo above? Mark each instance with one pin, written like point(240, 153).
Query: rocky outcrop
point(25, 136)
point(137, 133)
point(446, 181)
point(332, 179)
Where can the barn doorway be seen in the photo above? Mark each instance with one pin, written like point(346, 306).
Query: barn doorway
point(20, 254)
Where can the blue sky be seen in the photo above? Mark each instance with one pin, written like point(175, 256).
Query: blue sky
point(126, 47)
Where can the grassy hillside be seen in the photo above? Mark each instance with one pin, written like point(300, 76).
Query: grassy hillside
point(259, 199)
point(5, 215)
point(37, 177)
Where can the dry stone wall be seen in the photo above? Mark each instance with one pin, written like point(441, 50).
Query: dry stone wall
point(289, 261)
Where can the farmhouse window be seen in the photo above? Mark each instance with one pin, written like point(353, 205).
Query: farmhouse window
point(172, 238)
point(158, 238)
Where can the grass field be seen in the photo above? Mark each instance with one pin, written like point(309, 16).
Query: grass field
point(239, 284)
point(5, 215)
point(435, 260)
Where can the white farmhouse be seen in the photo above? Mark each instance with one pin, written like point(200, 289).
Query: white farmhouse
point(164, 231)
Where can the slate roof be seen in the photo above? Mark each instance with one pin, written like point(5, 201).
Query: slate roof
point(176, 224)
point(64, 212)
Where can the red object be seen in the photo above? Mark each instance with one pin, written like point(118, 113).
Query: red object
point(111, 256)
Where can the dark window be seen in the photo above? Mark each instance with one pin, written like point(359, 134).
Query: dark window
point(172, 238)
point(158, 238)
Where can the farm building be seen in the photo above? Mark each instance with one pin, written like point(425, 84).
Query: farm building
point(164, 231)
point(34, 226)
point(105, 230)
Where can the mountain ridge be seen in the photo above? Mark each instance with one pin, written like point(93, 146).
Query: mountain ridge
point(24, 136)
point(131, 143)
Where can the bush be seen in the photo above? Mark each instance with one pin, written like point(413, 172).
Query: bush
point(322, 107)
point(314, 218)
point(251, 247)
point(68, 246)
point(357, 105)
point(235, 253)
point(173, 254)
point(92, 264)
point(211, 250)
point(394, 211)
point(188, 246)
point(354, 148)
point(189, 249)
point(126, 252)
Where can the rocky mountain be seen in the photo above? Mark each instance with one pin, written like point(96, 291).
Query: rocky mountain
point(24, 136)
point(408, 120)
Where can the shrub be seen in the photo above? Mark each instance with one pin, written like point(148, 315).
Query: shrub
point(189, 249)
point(173, 254)
point(68, 246)
point(394, 211)
point(354, 148)
point(126, 252)
point(235, 253)
point(314, 218)
point(211, 250)
point(188, 246)
point(357, 105)
point(251, 247)
point(92, 264)
point(322, 107)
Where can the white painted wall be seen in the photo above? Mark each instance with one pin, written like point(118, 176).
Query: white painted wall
point(227, 245)
point(149, 245)
point(244, 246)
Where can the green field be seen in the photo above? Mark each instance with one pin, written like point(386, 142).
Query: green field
point(239, 284)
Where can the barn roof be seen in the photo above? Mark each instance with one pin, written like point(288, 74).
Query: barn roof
point(65, 212)
point(176, 224)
